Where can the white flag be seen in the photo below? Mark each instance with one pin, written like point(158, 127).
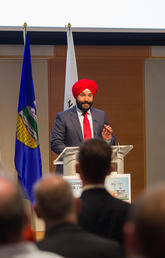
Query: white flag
point(71, 71)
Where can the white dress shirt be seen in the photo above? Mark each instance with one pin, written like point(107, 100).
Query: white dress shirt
point(81, 117)
point(24, 250)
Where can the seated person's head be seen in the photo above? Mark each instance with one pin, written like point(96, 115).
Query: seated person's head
point(13, 217)
point(94, 161)
point(54, 198)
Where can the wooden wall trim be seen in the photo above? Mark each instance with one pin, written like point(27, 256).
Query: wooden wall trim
point(105, 51)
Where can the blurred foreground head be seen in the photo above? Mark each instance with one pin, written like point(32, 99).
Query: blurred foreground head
point(13, 217)
point(145, 233)
point(54, 199)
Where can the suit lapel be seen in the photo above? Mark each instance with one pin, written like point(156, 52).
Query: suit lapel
point(76, 123)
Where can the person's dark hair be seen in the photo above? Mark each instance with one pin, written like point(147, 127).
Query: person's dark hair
point(95, 159)
point(12, 217)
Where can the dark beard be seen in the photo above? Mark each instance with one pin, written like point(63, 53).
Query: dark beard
point(79, 105)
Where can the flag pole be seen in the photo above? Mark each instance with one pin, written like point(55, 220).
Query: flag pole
point(24, 31)
point(69, 25)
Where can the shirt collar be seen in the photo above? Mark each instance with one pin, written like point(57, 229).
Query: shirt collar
point(80, 112)
point(93, 186)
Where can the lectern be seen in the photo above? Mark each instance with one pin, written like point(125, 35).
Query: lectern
point(118, 154)
point(69, 157)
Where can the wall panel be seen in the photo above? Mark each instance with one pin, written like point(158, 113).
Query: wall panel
point(119, 73)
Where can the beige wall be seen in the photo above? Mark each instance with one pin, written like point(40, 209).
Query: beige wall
point(10, 74)
point(155, 120)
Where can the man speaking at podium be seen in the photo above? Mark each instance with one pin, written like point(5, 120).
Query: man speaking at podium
point(81, 122)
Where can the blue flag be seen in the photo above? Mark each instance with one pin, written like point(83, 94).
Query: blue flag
point(27, 150)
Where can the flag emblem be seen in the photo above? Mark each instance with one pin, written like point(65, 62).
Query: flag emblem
point(26, 130)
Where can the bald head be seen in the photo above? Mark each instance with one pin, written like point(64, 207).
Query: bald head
point(12, 211)
point(54, 198)
point(149, 220)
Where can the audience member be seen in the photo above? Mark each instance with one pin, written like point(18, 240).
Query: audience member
point(101, 213)
point(145, 233)
point(13, 220)
point(56, 205)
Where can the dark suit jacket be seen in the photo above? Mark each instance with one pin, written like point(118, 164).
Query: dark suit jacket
point(67, 129)
point(69, 240)
point(103, 214)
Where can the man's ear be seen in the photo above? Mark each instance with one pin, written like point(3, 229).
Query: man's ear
point(37, 211)
point(77, 168)
point(27, 217)
point(111, 169)
point(77, 203)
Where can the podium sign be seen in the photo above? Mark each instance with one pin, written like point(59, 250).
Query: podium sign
point(68, 158)
point(118, 185)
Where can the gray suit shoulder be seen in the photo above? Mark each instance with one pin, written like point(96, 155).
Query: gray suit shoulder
point(66, 112)
point(97, 110)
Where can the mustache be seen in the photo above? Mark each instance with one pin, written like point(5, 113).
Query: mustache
point(85, 102)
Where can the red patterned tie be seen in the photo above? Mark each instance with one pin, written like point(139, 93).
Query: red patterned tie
point(86, 127)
